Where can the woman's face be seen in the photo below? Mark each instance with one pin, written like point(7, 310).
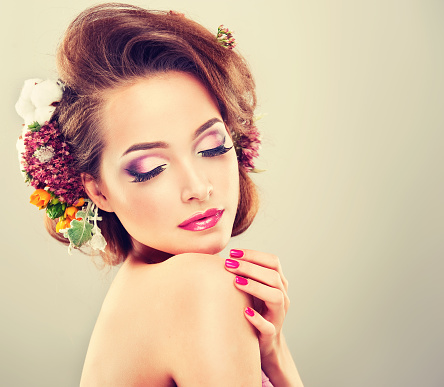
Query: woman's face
point(169, 169)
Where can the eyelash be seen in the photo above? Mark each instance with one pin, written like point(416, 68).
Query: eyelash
point(141, 177)
point(220, 150)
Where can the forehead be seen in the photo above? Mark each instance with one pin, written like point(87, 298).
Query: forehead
point(162, 107)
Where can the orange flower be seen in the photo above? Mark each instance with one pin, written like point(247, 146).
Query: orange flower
point(63, 223)
point(71, 212)
point(40, 198)
point(65, 220)
point(79, 202)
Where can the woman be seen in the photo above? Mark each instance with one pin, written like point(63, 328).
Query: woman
point(155, 127)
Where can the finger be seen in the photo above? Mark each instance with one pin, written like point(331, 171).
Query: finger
point(262, 274)
point(275, 300)
point(262, 259)
point(265, 327)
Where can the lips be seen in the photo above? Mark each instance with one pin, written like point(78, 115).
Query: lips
point(202, 220)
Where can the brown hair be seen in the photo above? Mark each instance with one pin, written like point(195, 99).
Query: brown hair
point(109, 45)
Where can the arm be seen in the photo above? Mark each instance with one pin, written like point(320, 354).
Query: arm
point(261, 276)
point(214, 344)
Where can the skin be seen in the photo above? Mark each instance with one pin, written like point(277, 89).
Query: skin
point(167, 108)
point(180, 320)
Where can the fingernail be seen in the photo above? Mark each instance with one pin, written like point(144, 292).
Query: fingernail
point(249, 311)
point(241, 280)
point(236, 253)
point(231, 263)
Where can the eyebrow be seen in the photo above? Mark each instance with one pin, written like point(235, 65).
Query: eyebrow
point(162, 144)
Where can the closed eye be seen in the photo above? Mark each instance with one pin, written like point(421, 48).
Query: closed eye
point(220, 150)
point(141, 177)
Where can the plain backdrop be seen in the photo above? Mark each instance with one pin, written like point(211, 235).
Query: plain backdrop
point(351, 199)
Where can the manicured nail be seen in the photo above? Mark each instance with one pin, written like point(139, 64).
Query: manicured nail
point(241, 280)
point(236, 253)
point(231, 263)
point(249, 311)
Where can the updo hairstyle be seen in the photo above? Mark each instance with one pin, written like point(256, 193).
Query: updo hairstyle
point(111, 45)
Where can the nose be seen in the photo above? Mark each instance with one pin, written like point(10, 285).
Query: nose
point(196, 185)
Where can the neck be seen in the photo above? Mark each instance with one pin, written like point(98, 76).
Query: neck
point(145, 254)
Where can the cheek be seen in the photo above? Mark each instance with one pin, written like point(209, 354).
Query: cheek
point(147, 204)
point(148, 213)
point(229, 179)
point(138, 205)
point(234, 179)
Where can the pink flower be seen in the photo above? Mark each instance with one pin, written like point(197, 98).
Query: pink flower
point(58, 175)
point(225, 37)
point(248, 145)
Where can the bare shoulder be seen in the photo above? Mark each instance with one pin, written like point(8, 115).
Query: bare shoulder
point(200, 289)
point(192, 272)
point(183, 281)
point(216, 342)
point(193, 287)
point(174, 322)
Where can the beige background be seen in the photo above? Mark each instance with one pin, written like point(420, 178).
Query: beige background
point(351, 200)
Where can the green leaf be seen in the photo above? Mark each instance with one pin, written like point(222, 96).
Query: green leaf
point(54, 200)
point(28, 177)
point(35, 126)
point(80, 232)
point(80, 214)
point(55, 210)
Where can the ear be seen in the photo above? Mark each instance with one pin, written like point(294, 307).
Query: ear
point(94, 192)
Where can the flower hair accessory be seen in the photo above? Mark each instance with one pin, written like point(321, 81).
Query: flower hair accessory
point(248, 141)
point(225, 37)
point(247, 145)
point(47, 164)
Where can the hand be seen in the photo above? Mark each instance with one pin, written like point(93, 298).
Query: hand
point(260, 274)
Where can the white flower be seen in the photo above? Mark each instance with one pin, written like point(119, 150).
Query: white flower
point(36, 99)
point(98, 242)
point(43, 114)
point(24, 107)
point(44, 154)
point(45, 93)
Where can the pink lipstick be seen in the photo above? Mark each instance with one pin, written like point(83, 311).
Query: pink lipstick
point(202, 220)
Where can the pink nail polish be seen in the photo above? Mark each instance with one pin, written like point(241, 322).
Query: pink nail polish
point(249, 311)
point(231, 263)
point(236, 253)
point(241, 280)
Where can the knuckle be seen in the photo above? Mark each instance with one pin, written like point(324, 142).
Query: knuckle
point(269, 330)
point(287, 303)
point(275, 260)
point(276, 278)
point(285, 282)
point(278, 297)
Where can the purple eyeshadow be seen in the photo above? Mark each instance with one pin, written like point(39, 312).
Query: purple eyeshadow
point(141, 165)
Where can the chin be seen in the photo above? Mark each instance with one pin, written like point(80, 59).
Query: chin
point(211, 248)
point(212, 245)
point(206, 242)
